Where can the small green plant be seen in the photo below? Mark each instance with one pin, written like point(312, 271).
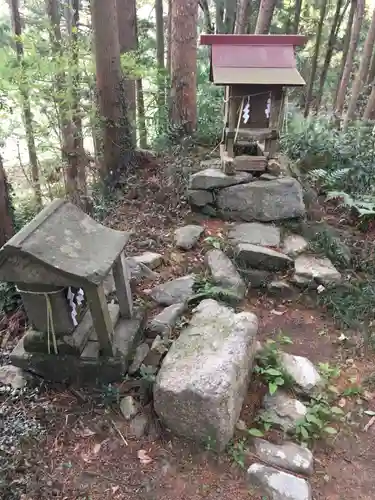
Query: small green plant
point(355, 390)
point(214, 241)
point(237, 451)
point(148, 373)
point(329, 372)
point(269, 367)
point(205, 289)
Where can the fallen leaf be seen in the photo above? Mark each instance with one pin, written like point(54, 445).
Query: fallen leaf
point(143, 457)
point(115, 489)
point(277, 313)
point(97, 448)
point(87, 432)
point(342, 402)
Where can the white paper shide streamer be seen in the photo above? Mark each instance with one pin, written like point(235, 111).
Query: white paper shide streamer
point(79, 297)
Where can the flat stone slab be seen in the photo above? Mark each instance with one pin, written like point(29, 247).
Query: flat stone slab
point(186, 237)
point(150, 259)
point(174, 291)
point(262, 257)
point(255, 233)
point(199, 197)
point(302, 371)
point(224, 273)
point(283, 411)
point(213, 178)
point(277, 484)
point(163, 323)
point(314, 268)
point(200, 388)
point(263, 201)
point(13, 376)
point(294, 245)
point(288, 456)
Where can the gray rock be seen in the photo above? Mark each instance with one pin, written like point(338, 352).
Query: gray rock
point(163, 322)
point(13, 376)
point(158, 348)
point(174, 291)
point(203, 379)
point(140, 354)
point(263, 200)
point(199, 197)
point(302, 371)
point(267, 177)
point(186, 237)
point(319, 269)
point(289, 456)
point(129, 407)
point(255, 278)
point(139, 425)
point(255, 234)
point(280, 288)
point(277, 484)
point(213, 178)
point(150, 259)
point(262, 257)
point(283, 411)
point(294, 245)
point(224, 273)
point(139, 271)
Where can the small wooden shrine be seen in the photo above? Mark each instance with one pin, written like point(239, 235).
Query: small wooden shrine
point(256, 70)
point(59, 263)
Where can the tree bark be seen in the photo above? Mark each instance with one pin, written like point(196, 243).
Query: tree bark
point(369, 113)
point(363, 71)
point(219, 16)
point(230, 15)
point(265, 16)
point(243, 7)
point(6, 221)
point(330, 47)
point(127, 29)
point(26, 107)
point(112, 106)
point(371, 73)
point(314, 62)
point(297, 16)
point(141, 115)
point(169, 38)
point(184, 65)
point(340, 101)
point(160, 63)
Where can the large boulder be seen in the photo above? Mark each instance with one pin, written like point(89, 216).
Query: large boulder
point(200, 388)
point(224, 273)
point(213, 178)
point(255, 233)
point(263, 200)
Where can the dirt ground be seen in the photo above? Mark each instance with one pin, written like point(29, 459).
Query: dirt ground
point(85, 453)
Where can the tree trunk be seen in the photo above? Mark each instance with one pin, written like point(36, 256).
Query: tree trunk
point(330, 47)
point(371, 73)
point(230, 15)
point(314, 62)
point(160, 63)
point(363, 71)
point(340, 101)
point(207, 16)
point(297, 16)
point(141, 115)
point(116, 130)
point(26, 108)
point(345, 48)
point(169, 38)
point(6, 221)
point(184, 65)
point(219, 16)
point(369, 113)
point(265, 16)
point(243, 7)
point(127, 29)
point(62, 94)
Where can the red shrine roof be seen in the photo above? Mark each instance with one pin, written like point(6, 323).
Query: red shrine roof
point(254, 59)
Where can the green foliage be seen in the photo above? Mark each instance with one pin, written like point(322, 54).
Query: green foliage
point(329, 244)
point(215, 242)
point(237, 451)
point(10, 299)
point(204, 289)
point(269, 367)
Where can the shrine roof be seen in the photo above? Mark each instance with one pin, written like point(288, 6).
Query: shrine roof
point(254, 59)
point(62, 243)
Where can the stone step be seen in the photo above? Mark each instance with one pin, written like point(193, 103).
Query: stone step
point(262, 257)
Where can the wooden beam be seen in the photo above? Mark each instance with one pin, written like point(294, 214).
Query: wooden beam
point(100, 317)
point(277, 101)
point(123, 290)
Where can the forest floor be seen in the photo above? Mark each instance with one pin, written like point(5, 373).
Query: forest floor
point(80, 452)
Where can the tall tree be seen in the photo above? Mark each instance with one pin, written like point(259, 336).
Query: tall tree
point(242, 20)
point(112, 107)
point(265, 16)
point(363, 71)
point(62, 92)
point(25, 100)
point(297, 16)
point(169, 37)
point(209, 28)
point(184, 65)
point(127, 29)
point(346, 43)
point(354, 38)
point(6, 222)
point(159, 18)
point(337, 18)
point(314, 62)
point(369, 113)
